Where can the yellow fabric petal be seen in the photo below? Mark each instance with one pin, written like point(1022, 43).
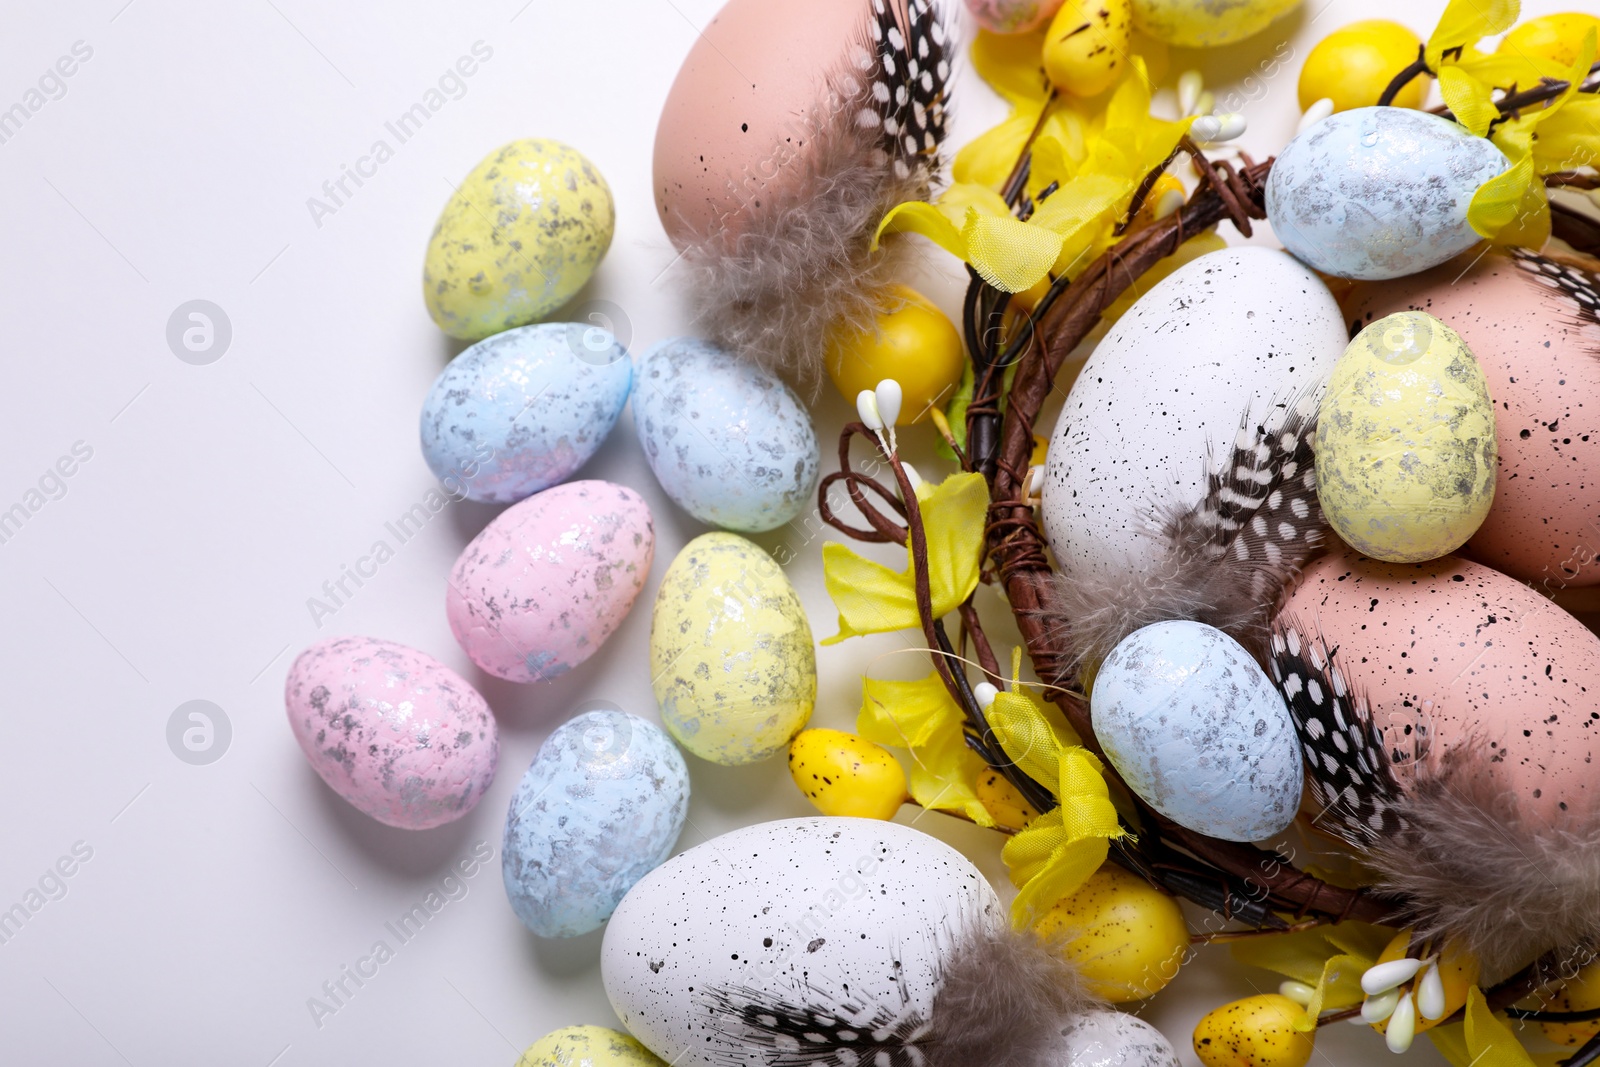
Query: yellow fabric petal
point(1468, 99)
point(1331, 959)
point(906, 714)
point(989, 158)
point(1009, 254)
point(870, 598)
point(918, 216)
point(944, 775)
point(1489, 1041)
point(1505, 69)
point(1057, 852)
point(1070, 864)
point(1013, 65)
point(1511, 208)
point(1466, 22)
point(1031, 733)
point(1570, 138)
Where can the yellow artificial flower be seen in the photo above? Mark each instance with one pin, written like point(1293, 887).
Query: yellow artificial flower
point(1483, 1040)
point(1330, 959)
point(920, 716)
point(1463, 24)
point(873, 599)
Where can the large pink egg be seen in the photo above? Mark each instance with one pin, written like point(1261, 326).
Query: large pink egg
point(396, 733)
point(1474, 656)
point(1532, 325)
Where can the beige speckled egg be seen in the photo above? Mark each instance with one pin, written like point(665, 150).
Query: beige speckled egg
point(1207, 23)
point(732, 659)
point(1531, 323)
point(1472, 655)
point(1406, 441)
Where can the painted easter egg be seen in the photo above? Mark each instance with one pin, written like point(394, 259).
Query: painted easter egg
point(732, 660)
point(1012, 16)
point(602, 803)
point(729, 442)
point(519, 237)
point(1195, 727)
point(1531, 323)
point(587, 1046)
point(541, 587)
point(523, 410)
point(392, 730)
point(1206, 23)
point(1405, 441)
point(1115, 1039)
point(851, 915)
point(1205, 365)
point(1378, 192)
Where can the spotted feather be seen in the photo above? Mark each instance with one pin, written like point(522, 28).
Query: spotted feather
point(1577, 286)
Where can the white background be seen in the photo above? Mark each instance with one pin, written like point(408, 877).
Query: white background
point(219, 498)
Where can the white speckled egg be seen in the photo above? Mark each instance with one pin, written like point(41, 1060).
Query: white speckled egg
point(523, 410)
point(1406, 447)
point(543, 585)
point(1379, 192)
point(1115, 1039)
point(1196, 728)
point(392, 730)
point(729, 442)
point(1225, 342)
point(602, 804)
point(834, 911)
point(732, 659)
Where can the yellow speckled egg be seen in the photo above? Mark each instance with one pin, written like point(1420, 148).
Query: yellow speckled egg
point(1577, 994)
point(1127, 937)
point(1405, 441)
point(1206, 23)
point(1002, 801)
point(1253, 1032)
point(587, 1046)
point(1087, 44)
point(731, 654)
point(843, 774)
point(520, 236)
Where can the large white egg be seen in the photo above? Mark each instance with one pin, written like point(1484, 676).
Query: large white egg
point(851, 915)
point(1228, 342)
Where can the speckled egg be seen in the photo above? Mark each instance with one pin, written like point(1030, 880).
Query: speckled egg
point(1531, 322)
point(1115, 1039)
point(1472, 656)
point(1405, 441)
point(602, 804)
point(1207, 23)
point(729, 442)
point(732, 660)
point(828, 911)
point(519, 237)
point(1379, 192)
point(1012, 16)
point(1226, 343)
point(523, 410)
point(1194, 726)
point(392, 730)
point(544, 584)
point(587, 1046)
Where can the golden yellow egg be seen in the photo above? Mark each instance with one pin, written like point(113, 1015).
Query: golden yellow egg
point(1002, 801)
point(843, 774)
point(1581, 993)
point(587, 1046)
point(1253, 1032)
point(1127, 937)
point(1458, 972)
point(1405, 443)
point(1552, 37)
point(913, 343)
point(1354, 64)
point(1086, 45)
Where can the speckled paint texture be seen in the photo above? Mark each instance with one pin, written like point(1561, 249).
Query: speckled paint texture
point(1405, 443)
point(1115, 1039)
point(730, 443)
point(601, 805)
point(820, 910)
point(1195, 727)
point(1235, 335)
point(1474, 657)
point(1531, 323)
point(392, 730)
point(1207, 23)
point(1379, 192)
point(523, 410)
point(587, 1046)
point(732, 659)
point(519, 237)
point(544, 584)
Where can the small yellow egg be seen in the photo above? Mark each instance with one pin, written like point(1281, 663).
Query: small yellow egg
point(1552, 37)
point(1253, 1032)
point(1581, 993)
point(1354, 64)
point(1458, 972)
point(843, 774)
point(1405, 443)
point(1127, 937)
point(587, 1046)
point(1002, 801)
point(1086, 45)
point(913, 343)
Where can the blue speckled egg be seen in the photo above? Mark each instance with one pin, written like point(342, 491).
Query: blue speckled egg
point(523, 410)
point(1379, 192)
point(1195, 727)
point(601, 805)
point(730, 443)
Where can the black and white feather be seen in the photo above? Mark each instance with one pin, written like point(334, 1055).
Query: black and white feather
point(1578, 287)
point(778, 274)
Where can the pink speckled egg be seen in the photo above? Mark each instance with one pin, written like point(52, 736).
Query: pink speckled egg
point(1532, 324)
point(1012, 16)
point(1471, 656)
point(543, 586)
point(392, 730)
